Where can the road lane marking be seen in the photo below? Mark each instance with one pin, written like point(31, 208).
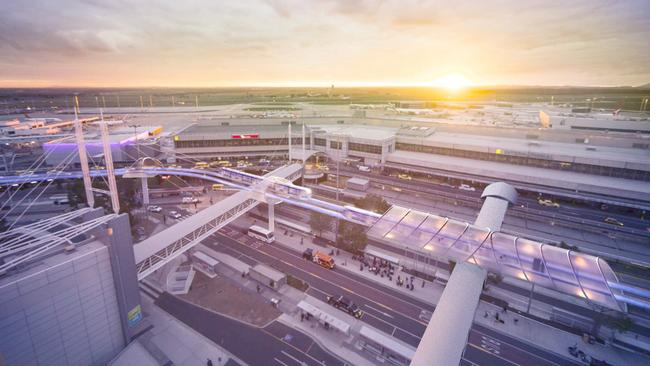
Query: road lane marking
point(293, 358)
point(379, 311)
point(517, 348)
point(495, 355)
point(299, 350)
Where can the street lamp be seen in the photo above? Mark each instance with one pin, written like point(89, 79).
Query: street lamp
point(135, 136)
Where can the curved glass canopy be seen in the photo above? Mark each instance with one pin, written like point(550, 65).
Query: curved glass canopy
point(567, 271)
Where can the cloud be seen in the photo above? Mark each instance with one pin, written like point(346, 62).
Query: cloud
point(248, 41)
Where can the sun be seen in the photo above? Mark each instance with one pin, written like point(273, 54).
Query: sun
point(452, 82)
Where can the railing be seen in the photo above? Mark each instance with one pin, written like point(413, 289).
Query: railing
point(159, 259)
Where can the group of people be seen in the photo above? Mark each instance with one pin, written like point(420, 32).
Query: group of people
point(384, 268)
point(498, 318)
point(378, 267)
point(407, 281)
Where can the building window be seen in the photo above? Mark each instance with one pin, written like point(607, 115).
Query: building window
point(502, 157)
point(336, 145)
point(320, 142)
point(371, 149)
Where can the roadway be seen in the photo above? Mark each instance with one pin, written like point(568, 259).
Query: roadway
point(274, 344)
point(566, 211)
point(298, 215)
point(384, 308)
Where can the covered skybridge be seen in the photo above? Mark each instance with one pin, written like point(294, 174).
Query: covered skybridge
point(159, 249)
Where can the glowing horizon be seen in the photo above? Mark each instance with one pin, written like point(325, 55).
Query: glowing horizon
point(292, 43)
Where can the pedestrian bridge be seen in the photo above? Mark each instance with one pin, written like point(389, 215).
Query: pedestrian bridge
point(159, 249)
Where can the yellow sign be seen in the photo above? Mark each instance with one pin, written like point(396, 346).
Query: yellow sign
point(499, 151)
point(135, 315)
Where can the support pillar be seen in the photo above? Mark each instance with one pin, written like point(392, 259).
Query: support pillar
point(445, 338)
point(271, 216)
point(110, 172)
point(83, 156)
point(290, 156)
point(446, 335)
point(145, 191)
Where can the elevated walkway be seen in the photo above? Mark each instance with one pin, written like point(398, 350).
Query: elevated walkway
point(159, 249)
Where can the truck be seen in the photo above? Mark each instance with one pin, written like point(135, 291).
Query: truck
point(319, 258)
point(344, 304)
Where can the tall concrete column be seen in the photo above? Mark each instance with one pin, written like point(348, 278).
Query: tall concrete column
point(446, 335)
point(145, 191)
point(271, 215)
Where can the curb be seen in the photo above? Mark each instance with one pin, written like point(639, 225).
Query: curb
point(314, 339)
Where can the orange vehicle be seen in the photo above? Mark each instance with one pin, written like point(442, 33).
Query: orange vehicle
point(324, 260)
point(319, 258)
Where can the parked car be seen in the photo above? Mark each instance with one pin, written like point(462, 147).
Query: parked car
point(190, 200)
point(404, 176)
point(154, 208)
point(363, 168)
point(174, 215)
point(548, 203)
point(466, 187)
point(613, 221)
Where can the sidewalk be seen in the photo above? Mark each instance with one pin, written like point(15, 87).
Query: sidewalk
point(171, 341)
point(335, 342)
point(525, 329)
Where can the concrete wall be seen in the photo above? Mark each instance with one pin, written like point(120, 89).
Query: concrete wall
point(63, 314)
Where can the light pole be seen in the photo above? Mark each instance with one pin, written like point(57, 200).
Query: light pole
point(135, 136)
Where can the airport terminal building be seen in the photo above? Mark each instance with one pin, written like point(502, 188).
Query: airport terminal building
point(615, 167)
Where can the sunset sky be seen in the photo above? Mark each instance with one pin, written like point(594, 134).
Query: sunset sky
point(341, 42)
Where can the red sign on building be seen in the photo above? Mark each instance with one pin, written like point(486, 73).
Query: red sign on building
point(246, 136)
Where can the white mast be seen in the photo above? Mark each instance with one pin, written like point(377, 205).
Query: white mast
point(289, 142)
point(304, 151)
point(83, 156)
point(108, 160)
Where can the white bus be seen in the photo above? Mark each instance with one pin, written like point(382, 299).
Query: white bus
point(261, 233)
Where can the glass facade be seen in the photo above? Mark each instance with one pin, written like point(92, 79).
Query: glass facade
point(530, 161)
point(236, 142)
point(371, 149)
point(320, 142)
